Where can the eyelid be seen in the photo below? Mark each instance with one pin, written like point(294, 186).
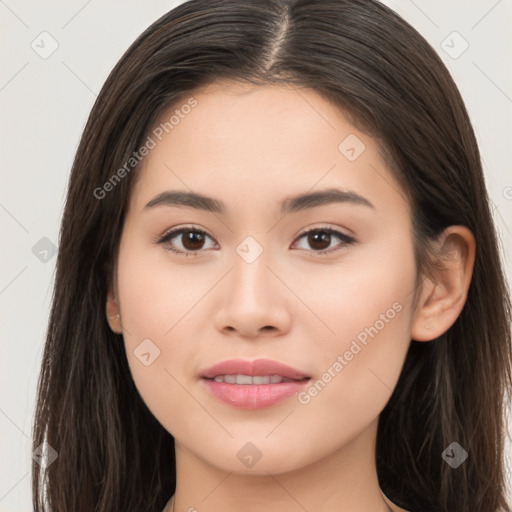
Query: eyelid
point(177, 230)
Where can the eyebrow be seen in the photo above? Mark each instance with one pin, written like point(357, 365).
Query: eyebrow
point(290, 205)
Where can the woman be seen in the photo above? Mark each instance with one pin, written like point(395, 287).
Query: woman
point(278, 284)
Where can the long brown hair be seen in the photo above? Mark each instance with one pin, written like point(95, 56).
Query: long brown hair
point(112, 453)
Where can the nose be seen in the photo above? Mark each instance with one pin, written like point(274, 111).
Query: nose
point(253, 301)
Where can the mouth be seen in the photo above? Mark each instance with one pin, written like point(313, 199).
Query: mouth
point(251, 380)
point(253, 384)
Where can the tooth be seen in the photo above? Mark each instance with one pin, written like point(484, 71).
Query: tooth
point(249, 380)
point(261, 380)
point(243, 379)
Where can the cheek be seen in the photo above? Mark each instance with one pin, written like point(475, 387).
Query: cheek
point(158, 304)
point(147, 313)
point(365, 308)
point(368, 292)
point(155, 294)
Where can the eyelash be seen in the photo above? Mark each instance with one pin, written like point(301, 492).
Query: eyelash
point(167, 237)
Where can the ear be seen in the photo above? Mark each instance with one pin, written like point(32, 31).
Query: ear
point(444, 292)
point(112, 310)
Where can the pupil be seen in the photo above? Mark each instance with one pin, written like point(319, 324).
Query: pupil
point(193, 237)
point(322, 236)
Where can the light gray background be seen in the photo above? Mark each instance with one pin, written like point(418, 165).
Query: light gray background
point(44, 105)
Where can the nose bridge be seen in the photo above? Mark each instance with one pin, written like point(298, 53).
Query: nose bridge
point(253, 299)
point(250, 272)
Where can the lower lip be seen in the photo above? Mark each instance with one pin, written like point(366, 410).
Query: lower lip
point(254, 396)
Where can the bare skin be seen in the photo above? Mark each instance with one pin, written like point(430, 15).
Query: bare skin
point(251, 148)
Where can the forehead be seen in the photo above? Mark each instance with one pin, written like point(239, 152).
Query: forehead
point(228, 114)
point(268, 112)
point(240, 140)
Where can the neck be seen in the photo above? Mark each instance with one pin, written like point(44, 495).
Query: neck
point(343, 481)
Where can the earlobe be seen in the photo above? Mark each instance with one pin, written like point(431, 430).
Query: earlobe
point(444, 292)
point(112, 312)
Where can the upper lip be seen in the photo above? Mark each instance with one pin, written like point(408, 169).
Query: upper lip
point(258, 367)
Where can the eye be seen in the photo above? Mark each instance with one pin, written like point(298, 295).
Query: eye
point(321, 238)
point(190, 240)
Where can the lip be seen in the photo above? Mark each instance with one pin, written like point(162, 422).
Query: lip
point(253, 396)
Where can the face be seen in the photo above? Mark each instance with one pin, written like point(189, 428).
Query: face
point(322, 285)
